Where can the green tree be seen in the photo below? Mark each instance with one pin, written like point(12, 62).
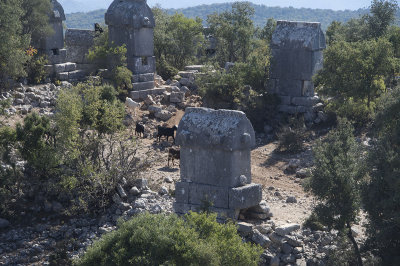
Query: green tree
point(196, 239)
point(335, 180)
point(35, 20)
point(233, 30)
point(266, 32)
point(13, 43)
point(383, 13)
point(178, 41)
point(355, 74)
point(382, 190)
point(114, 58)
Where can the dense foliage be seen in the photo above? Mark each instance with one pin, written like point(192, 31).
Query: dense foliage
point(382, 191)
point(336, 178)
point(195, 239)
point(22, 22)
point(113, 58)
point(76, 158)
point(360, 62)
point(178, 40)
point(233, 30)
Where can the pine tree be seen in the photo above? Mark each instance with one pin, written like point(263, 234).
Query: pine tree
point(336, 180)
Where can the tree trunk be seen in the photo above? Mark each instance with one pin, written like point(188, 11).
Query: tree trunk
point(353, 241)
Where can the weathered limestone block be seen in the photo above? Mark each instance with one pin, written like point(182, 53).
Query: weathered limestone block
point(215, 156)
point(297, 55)
point(78, 43)
point(131, 22)
point(54, 42)
point(141, 95)
point(243, 197)
point(177, 97)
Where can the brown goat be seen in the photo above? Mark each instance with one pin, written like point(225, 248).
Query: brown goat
point(174, 153)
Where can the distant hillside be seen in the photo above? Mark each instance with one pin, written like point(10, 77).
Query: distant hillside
point(262, 13)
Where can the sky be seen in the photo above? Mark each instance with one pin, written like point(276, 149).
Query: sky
point(88, 5)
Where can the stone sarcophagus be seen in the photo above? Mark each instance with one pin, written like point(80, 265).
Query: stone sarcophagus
point(131, 23)
point(53, 45)
point(297, 49)
point(215, 162)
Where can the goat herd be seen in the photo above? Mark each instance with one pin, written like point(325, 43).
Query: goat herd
point(173, 153)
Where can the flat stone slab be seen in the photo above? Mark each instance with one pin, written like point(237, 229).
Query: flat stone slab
point(286, 229)
point(141, 95)
point(245, 197)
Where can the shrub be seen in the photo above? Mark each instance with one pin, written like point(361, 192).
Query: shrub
point(291, 138)
point(196, 239)
point(35, 69)
point(165, 70)
point(37, 143)
point(356, 111)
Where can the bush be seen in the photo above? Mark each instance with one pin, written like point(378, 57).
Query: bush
point(356, 111)
point(37, 143)
point(35, 69)
point(196, 239)
point(291, 138)
point(165, 70)
point(77, 158)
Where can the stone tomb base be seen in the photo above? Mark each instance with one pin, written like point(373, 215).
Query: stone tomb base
point(227, 202)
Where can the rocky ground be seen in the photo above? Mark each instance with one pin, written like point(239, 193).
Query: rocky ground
point(285, 240)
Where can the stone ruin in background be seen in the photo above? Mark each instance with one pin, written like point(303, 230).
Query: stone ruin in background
point(297, 49)
point(215, 163)
point(62, 64)
point(131, 22)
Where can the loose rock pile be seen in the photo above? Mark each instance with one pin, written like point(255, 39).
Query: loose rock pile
point(41, 98)
point(34, 244)
point(288, 244)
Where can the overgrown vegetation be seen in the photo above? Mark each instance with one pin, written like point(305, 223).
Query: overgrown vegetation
point(77, 158)
point(360, 63)
point(113, 58)
point(22, 22)
point(195, 239)
point(178, 42)
point(382, 189)
point(336, 178)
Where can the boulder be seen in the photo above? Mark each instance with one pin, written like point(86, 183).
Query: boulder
point(134, 191)
point(177, 97)
point(163, 115)
point(121, 191)
point(4, 223)
point(245, 228)
point(291, 199)
point(260, 239)
point(286, 229)
point(163, 191)
point(154, 109)
point(185, 90)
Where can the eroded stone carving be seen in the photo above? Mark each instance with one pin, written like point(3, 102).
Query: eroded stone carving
point(215, 162)
point(131, 22)
point(297, 55)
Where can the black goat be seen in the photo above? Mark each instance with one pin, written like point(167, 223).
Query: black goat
point(173, 154)
point(139, 129)
point(166, 131)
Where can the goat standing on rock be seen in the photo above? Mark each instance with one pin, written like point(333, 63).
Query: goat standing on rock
point(131, 104)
